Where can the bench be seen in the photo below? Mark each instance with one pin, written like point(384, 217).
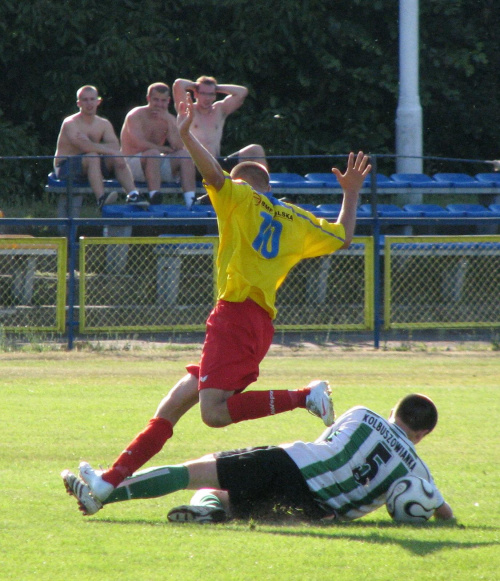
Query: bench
point(454, 273)
point(71, 194)
point(169, 264)
point(409, 189)
point(21, 263)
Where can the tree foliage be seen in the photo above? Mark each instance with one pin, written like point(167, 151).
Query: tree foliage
point(323, 76)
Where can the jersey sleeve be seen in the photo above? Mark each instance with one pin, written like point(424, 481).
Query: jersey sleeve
point(228, 196)
point(321, 237)
point(423, 472)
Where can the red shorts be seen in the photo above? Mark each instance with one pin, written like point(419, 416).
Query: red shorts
point(238, 337)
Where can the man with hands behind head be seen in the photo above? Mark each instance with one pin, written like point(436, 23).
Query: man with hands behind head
point(210, 116)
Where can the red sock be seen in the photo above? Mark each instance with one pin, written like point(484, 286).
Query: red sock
point(142, 448)
point(259, 404)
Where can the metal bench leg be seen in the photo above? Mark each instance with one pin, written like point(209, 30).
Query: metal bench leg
point(23, 279)
point(168, 275)
point(62, 206)
point(317, 286)
point(116, 255)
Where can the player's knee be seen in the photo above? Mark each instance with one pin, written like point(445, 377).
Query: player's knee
point(213, 418)
point(258, 150)
point(253, 150)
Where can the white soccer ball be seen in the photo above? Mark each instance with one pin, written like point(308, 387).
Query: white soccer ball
point(411, 500)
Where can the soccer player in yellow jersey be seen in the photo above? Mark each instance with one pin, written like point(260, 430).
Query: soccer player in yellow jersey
point(260, 240)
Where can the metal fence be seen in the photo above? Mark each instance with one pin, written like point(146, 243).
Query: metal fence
point(146, 284)
point(33, 283)
point(168, 283)
point(163, 284)
point(442, 282)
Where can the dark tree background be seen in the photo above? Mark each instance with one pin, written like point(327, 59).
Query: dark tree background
point(323, 76)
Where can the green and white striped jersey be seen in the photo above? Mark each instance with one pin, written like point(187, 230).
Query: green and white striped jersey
point(352, 465)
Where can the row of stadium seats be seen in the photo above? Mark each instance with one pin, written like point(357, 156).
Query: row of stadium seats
point(327, 211)
point(294, 181)
point(395, 181)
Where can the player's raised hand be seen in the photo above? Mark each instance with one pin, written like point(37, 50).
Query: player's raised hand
point(357, 169)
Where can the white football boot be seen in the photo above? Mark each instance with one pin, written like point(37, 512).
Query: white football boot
point(75, 487)
point(319, 401)
point(99, 488)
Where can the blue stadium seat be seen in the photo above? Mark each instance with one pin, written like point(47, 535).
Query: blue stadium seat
point(390, 211)
point(328, 180)
point(459, 180)
point(156, 211)
point(114, 211)
point(383, 182)
point(128, 211)
point(330, 211)
point(495, 208)
point(333, 210)
point(176, 211)
point(310, 208)
point(112, 184)
point(469, 210)
point(417, 180)
point(159, 211)
point(287, 180)
point(489, 179)
point(428, 210)
point(203, 211)
point(364, 211)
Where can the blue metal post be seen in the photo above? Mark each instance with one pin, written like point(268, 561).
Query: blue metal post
point(376, 254)
point(73, 250)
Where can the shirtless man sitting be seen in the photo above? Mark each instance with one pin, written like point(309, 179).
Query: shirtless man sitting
point(150, 133)
point(210, 116)
point(92, 140)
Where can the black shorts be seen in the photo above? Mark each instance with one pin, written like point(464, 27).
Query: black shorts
point(264, 482)
point(75, 164)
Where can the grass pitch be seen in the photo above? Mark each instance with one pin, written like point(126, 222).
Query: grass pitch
point(60, 408)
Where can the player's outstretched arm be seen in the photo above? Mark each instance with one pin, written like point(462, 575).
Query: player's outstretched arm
point(206, 163)
point(351, 182)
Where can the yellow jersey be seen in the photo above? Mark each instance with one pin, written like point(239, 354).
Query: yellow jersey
point(261, 239)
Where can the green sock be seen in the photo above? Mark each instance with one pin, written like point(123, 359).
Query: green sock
point(151, 483)
point(204, 497)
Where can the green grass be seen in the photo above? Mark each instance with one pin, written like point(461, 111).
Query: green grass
point(59, 408)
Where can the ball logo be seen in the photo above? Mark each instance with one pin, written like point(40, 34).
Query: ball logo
point(411, 500)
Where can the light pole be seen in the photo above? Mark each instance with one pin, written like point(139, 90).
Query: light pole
point(409, 111)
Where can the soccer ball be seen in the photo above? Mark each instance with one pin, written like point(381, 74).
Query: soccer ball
point(411, 500)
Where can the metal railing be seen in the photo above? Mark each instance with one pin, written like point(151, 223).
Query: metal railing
point(160, 283)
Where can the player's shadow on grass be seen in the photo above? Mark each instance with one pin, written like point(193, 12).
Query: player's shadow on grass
point(347, 531)
point(351, 531)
